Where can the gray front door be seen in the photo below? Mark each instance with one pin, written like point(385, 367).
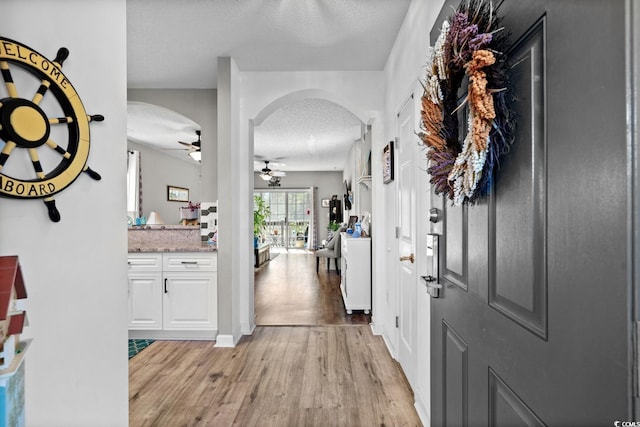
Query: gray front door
point(531, 327)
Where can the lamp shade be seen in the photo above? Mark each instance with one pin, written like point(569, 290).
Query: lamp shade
point(154, 218)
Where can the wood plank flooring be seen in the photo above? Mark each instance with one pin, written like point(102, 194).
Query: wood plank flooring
point(279, 376)
point(330, 370)
point(288, 291)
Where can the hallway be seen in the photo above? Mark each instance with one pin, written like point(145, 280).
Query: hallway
point(288, 291)
point(279, 376)
point(324, 368)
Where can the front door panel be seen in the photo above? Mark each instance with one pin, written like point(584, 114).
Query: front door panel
point(455, 246)
point(531, 324)
point(456, 377)
point(506, 408)
point(517, 208)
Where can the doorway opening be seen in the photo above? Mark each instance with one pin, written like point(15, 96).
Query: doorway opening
point(287, 289)
point(290, 221)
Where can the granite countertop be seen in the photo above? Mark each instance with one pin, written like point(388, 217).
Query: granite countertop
point(163, 227)
point(154, 247)
point(167, 238)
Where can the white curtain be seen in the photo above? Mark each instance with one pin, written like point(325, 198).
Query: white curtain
point(313, 230)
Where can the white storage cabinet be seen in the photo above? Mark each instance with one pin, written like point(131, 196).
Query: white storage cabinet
point(355, 276)
point(173, 295)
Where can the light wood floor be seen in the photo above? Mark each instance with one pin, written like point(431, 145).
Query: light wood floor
point(288, 291)
point(330, 372)
point(279, 376)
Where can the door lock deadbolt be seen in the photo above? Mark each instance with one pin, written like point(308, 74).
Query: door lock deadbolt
point(434, 215)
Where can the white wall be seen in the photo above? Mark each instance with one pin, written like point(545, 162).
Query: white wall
point(235, 204)
point(357, 91)
point(404, 69)
point(263, 92)
point(200, 105)
point(355, 168)
point(75, 270)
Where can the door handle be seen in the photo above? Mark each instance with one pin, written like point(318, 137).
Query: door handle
point(431, 279)
point(165, 286)
point(433, 288)
point(408, 258)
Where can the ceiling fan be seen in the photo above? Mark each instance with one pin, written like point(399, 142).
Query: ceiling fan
point(194, 147)
point(268, 174)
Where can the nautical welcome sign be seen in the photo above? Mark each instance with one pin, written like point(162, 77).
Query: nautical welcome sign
point(28, 128)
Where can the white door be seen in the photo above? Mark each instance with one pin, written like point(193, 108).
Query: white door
point(190, 301)
point(407, 241)
point(145, 300)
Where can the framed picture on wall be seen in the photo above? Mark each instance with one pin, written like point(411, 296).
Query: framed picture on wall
point(352, 221)
point(177, 194)
point(387, 163)
point(325, 203)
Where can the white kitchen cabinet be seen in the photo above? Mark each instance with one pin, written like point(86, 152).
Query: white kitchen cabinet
point(355, 279)
point(190, 301)
point(173, 295)
point(145, 300)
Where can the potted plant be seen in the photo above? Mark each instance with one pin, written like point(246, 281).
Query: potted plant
point(332, 228)
point(260, 214)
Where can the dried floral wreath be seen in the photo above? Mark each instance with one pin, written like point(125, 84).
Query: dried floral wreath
point(471, 44)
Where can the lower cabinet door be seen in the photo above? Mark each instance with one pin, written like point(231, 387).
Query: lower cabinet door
point(145, 300)
point(190, 301)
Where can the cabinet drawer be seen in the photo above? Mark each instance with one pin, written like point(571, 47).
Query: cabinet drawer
point(189, 261)
point(145, 262)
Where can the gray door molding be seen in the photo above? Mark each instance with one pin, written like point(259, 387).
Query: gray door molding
point(632, 14)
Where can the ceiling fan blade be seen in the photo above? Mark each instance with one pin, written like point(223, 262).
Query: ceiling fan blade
point(273, 161)
point(278, 173)
point(193, 146)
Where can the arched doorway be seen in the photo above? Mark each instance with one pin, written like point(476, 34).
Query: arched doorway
point(300, 101)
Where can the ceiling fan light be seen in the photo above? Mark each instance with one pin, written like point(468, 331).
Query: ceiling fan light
point(265, 177)
point(196, 155)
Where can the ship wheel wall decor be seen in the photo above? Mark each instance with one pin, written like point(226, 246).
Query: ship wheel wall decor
point(49, 132)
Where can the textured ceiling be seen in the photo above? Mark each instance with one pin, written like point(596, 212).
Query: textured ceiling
point(310, 135)
point(159, 127)
point(175, 44)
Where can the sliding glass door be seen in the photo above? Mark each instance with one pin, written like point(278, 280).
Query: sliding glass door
point(290, 219)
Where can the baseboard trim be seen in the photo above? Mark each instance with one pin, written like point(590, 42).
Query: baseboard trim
point(226, 341)
point(248, 329)
point(173, 335)
point(422, 411)
point(375, 330)
point(390, 348)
